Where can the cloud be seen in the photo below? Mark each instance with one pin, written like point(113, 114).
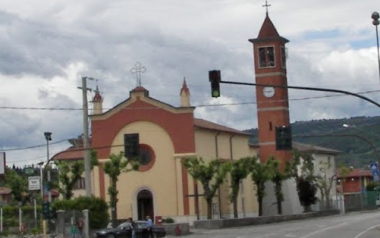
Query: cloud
point(46, 48)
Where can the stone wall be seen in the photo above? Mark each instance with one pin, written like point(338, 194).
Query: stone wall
point(177, 229)
point(249, 221)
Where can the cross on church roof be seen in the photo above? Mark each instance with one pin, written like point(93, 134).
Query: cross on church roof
point(266, 6)
point(138, 69)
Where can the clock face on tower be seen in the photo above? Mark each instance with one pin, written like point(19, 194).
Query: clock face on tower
point(268, 92)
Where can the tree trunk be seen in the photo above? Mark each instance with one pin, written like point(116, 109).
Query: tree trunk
point(306, 209)
point(235, 207)
point(260, 201)
point(328, 205)
point(113, 201)
point(279, 206)
point(279, 196)
point(209, 208)
point(113, 216)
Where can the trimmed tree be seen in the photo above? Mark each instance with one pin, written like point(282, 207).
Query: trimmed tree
point(210, 174)
point(325, 182)
point(68, 175)
point(117, 165)
point(239, 170)
point(260, 174)
point(306, 180)
point(278, 177)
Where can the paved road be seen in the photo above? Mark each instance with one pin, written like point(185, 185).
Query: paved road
point(353, 225)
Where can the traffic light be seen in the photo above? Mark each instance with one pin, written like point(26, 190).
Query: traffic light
point(283, 138)
point(46, 209)
point(214, 78)
point(131, 145)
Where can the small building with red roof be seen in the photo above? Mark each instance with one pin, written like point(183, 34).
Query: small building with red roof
point(355, 182)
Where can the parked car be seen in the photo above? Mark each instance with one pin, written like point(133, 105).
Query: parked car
point(124, 231)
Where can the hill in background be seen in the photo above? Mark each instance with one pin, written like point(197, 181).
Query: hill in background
point(359, 142)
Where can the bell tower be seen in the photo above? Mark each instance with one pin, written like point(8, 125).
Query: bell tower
point(272, 102)
point(269, 54)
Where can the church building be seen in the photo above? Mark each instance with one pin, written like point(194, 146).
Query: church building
point(167, 135)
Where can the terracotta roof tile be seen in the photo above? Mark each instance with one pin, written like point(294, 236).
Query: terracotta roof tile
point(268, 30)
point(357, 173)
point(72, 153)
point(200, 123)
point(4, 190)
point(139, 89)
point(184, 88)
point(97, 96)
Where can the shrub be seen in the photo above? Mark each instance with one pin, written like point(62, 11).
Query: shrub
point(372, 185)
point(168, 220)
point(97, 209)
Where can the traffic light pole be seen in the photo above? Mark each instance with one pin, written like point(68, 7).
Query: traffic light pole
point(305, 88)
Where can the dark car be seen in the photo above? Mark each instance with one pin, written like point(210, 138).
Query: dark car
point(124, 231)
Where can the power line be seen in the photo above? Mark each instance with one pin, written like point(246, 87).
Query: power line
point(33, 146)
point(200, 105)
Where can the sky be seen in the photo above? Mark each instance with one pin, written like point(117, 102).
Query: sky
point(46, 47)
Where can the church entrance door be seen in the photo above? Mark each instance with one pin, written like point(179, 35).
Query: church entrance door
point(145, 204)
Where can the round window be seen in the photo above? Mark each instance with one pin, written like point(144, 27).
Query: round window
point(147, 157)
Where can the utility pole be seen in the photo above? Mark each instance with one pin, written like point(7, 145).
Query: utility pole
point(87, 162)
point(48, 138)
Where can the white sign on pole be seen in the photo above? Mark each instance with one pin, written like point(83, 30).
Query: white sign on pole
point(34, 183)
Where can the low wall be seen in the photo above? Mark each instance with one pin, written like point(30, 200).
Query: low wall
point(177, 229)
point(249, 221)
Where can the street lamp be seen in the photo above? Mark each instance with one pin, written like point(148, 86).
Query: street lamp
point(364, 131)
point(376, 22)
point(48, 138)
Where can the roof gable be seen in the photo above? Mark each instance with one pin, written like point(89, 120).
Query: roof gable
point(139, 99)
point(208, 125)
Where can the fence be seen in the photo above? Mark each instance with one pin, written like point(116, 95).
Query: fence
point(21, 220)
point(362, 201)
point(73, 224)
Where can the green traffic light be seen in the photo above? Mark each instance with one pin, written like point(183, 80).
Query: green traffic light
point(215, 93)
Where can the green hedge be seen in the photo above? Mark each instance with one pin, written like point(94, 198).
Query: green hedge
point(97, 209)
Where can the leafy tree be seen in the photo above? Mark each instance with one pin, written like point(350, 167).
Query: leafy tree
point(17, 183)
point(278, 177)
point(210, 174)
point(94, 158)
point(306, 180)
point(69, 174)
point(239, 170)
point(306, 193)
point(117, 165)
point(325, 181)
point(260, 174)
